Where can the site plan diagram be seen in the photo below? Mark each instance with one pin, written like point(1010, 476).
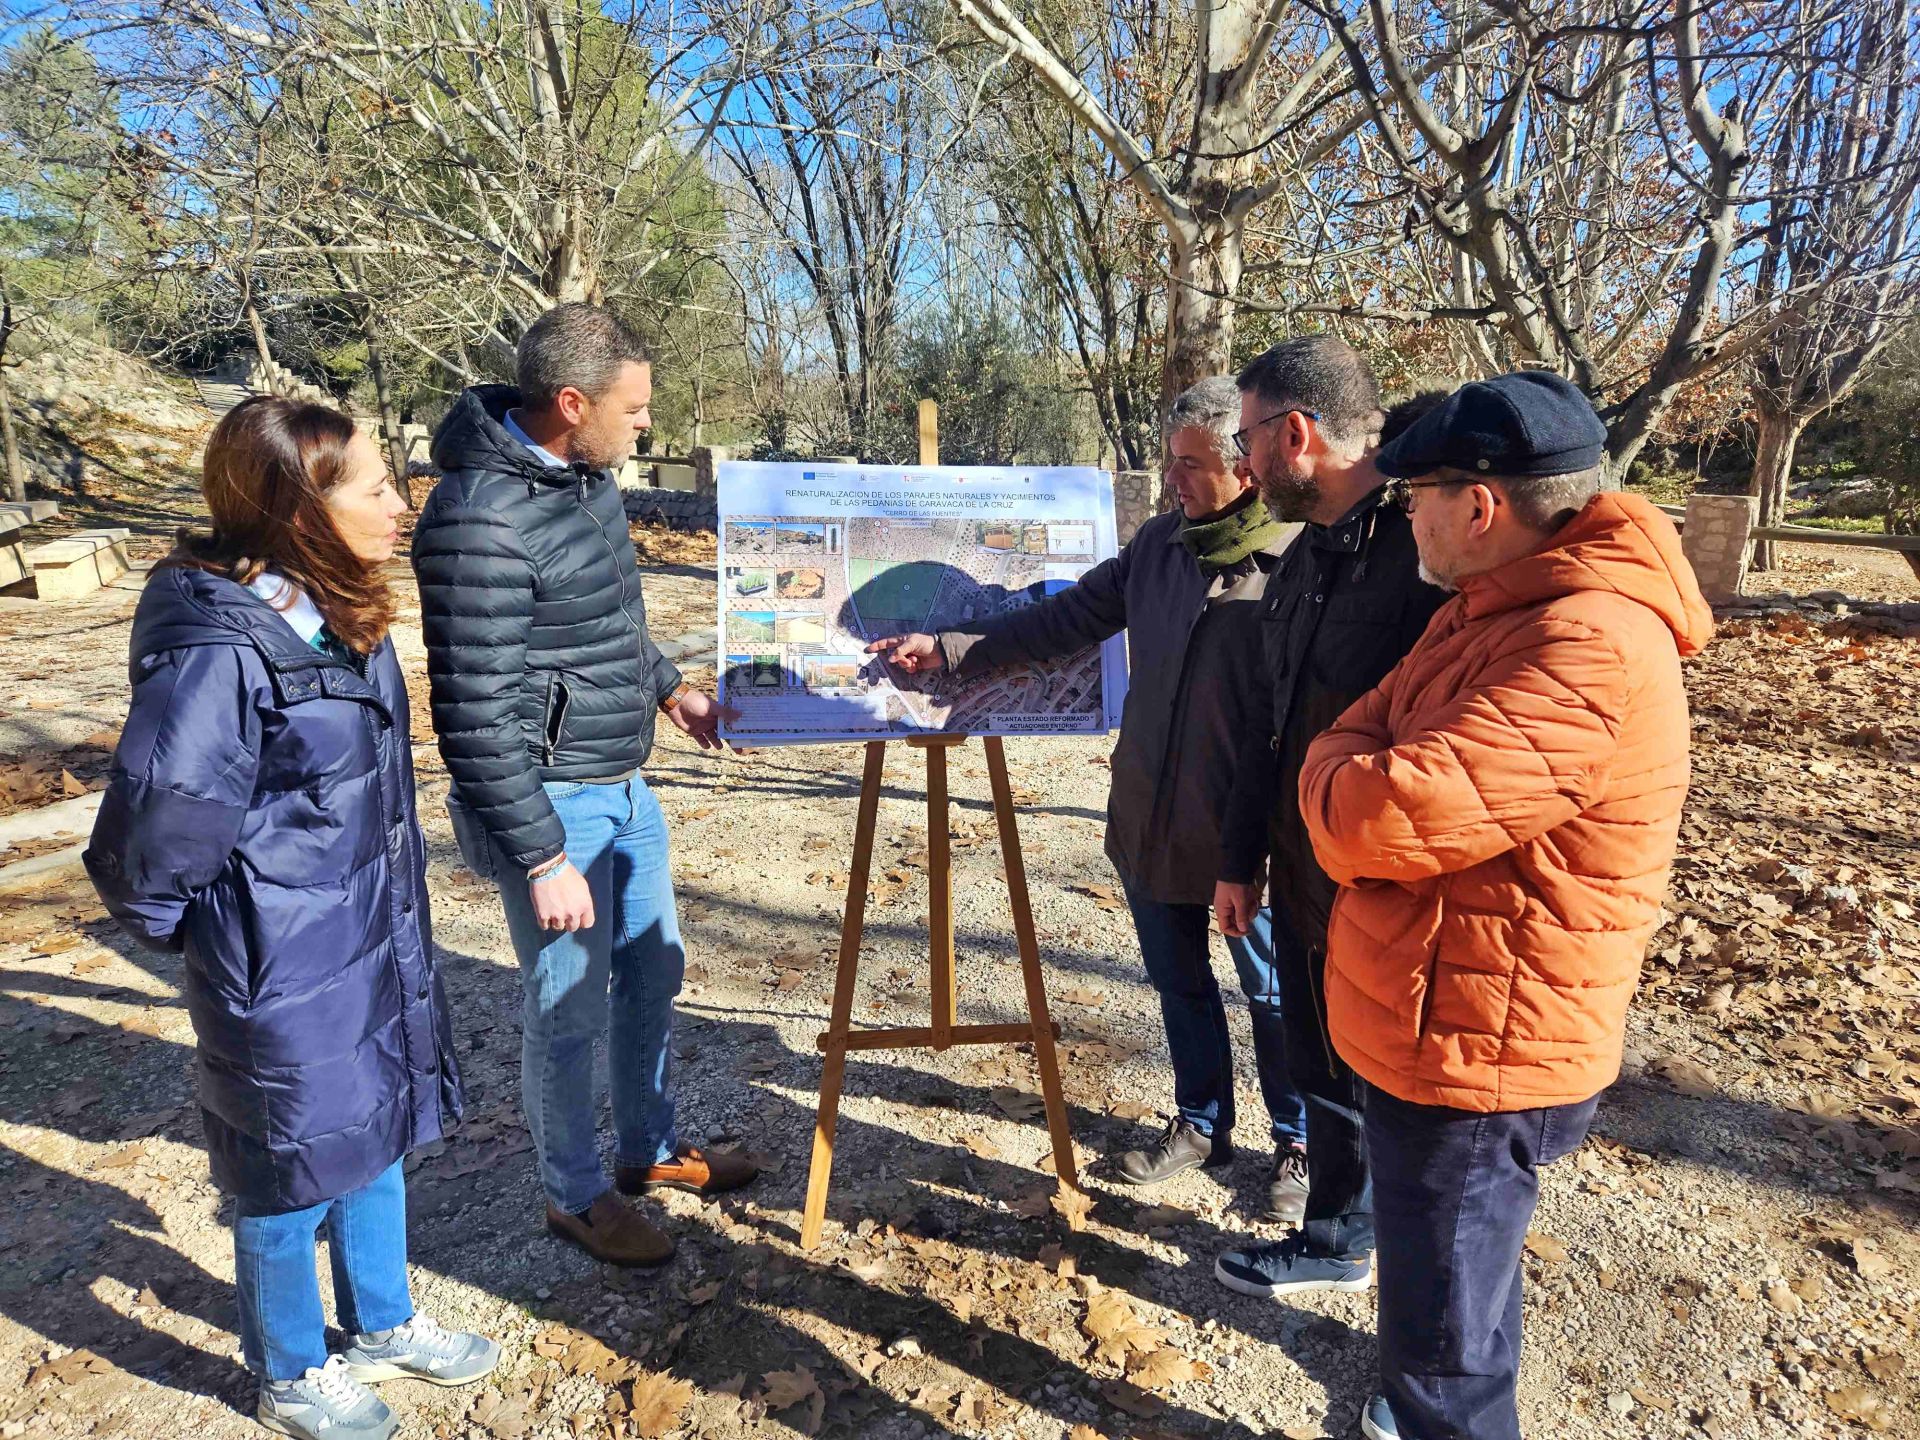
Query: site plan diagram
point(817, 560)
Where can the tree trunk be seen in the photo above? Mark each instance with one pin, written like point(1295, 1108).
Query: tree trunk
point(16, 468)
point(1205, 267)
point(259, 328)
point(383, 397)
point(1777, 434)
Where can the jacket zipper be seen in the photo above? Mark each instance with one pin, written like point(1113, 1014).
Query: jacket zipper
point(327, 662)
point(580, 500)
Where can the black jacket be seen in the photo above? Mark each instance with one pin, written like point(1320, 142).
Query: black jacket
point(1193, 690)
point(537, 645)
point(1340, 610)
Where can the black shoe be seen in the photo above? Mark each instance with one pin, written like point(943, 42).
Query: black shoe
point(1181, 1148)
point(1287, 1186)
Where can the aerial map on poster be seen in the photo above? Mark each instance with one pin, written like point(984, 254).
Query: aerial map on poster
point(816, 560)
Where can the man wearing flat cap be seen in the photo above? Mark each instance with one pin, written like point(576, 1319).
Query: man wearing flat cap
point(1501, 813)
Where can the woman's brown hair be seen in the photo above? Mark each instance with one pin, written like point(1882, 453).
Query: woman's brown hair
point(269, 467)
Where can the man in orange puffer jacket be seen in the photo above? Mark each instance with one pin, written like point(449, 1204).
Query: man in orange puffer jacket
point(1501, 814)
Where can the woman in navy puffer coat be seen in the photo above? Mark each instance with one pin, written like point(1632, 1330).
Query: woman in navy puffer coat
point(260, 820)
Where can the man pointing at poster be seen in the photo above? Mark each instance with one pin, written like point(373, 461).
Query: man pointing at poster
point(1186, 591)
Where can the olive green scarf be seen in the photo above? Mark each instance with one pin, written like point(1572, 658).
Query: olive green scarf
point(1224, 540)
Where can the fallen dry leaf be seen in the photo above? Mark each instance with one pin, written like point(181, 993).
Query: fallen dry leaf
point(982, 1147)
point(1017, 1104)
point(500, 1417)
point(655, 1404)
point(1123, 1395)
point(783, 1388)
point(1160, 1369)
point(1545, 1247)
point(1116, 1331)
point(1861, 1405)
point(1156, 1217)
point(1074, 1206)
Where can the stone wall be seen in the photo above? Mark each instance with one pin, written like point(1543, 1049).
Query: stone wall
point(676, 509)
point(1718, 542)
point(1136, 500)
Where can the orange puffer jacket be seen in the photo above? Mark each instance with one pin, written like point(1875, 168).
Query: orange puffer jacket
point(1501, 814)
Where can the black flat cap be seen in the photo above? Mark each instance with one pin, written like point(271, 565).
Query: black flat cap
point(1531, 422)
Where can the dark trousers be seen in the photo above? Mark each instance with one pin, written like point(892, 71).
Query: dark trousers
point(1176, 945)
point(1339, 1217)
point(1456, 1191)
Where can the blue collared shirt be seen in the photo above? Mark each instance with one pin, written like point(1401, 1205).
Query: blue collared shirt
point(546, 456)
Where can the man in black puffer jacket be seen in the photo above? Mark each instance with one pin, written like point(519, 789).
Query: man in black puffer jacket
point(545, 686)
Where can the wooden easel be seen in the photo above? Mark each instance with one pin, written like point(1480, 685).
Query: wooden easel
point(840, 1036)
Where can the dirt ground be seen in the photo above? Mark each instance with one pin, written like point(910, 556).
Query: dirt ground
point(1733, 1254)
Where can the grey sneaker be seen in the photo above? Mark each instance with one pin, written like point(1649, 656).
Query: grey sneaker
point(325, 1404)
point(1376, 1421)
point(1287, 1186)
point(421, 1349)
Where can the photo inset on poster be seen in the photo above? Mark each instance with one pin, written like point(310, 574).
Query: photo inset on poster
point(822, 560)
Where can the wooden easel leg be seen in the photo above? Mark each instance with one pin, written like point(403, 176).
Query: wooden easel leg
point(852, 926)
point(1043, 1047)
point(940, 897)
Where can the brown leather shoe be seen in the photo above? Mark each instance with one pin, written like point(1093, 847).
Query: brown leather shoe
point(612, 1232)
point(690, 1169)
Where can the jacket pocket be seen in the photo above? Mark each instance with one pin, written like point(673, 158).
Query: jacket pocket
point(470, 835)
point(553, 723)
point(1426, 992)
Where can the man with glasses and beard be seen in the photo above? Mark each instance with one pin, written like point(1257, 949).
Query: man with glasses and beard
point(1339, 611)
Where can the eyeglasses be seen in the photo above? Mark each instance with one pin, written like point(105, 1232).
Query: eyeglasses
point(1403, 495)
point(1244, 445)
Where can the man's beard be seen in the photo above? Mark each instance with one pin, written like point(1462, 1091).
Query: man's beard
point(1439, 582)
point(585, 450)
point(1289, 494)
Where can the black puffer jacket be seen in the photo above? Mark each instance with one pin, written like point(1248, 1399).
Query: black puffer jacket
point(537, 644)
point(1340, 610)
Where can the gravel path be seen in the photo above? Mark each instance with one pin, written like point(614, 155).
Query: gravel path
point(1727, 1257)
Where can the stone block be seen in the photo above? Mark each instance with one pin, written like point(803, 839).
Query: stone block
point(18, 514)
point(1716, 540)
point(13, 561)
point(78, 565)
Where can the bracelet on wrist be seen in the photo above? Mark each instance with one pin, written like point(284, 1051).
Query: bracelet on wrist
point(551, 869)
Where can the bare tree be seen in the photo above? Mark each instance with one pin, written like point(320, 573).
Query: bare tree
point(481, 164)
point(1839, 260)
point(834, 151)
point(1577, 175)
point(1228, 156)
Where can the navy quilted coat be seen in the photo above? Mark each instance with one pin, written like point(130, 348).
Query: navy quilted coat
point(260, 819)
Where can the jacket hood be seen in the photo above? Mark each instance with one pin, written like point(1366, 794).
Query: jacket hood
point(472, 437)
point(1618, 543)
point(182, 606)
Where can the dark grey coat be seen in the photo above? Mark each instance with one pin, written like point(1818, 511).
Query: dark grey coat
point(1193, 690)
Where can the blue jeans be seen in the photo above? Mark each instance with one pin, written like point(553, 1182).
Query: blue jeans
point(1175, 943)
point(618, 979)
point(282, 1331)
point(1454, 1192)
